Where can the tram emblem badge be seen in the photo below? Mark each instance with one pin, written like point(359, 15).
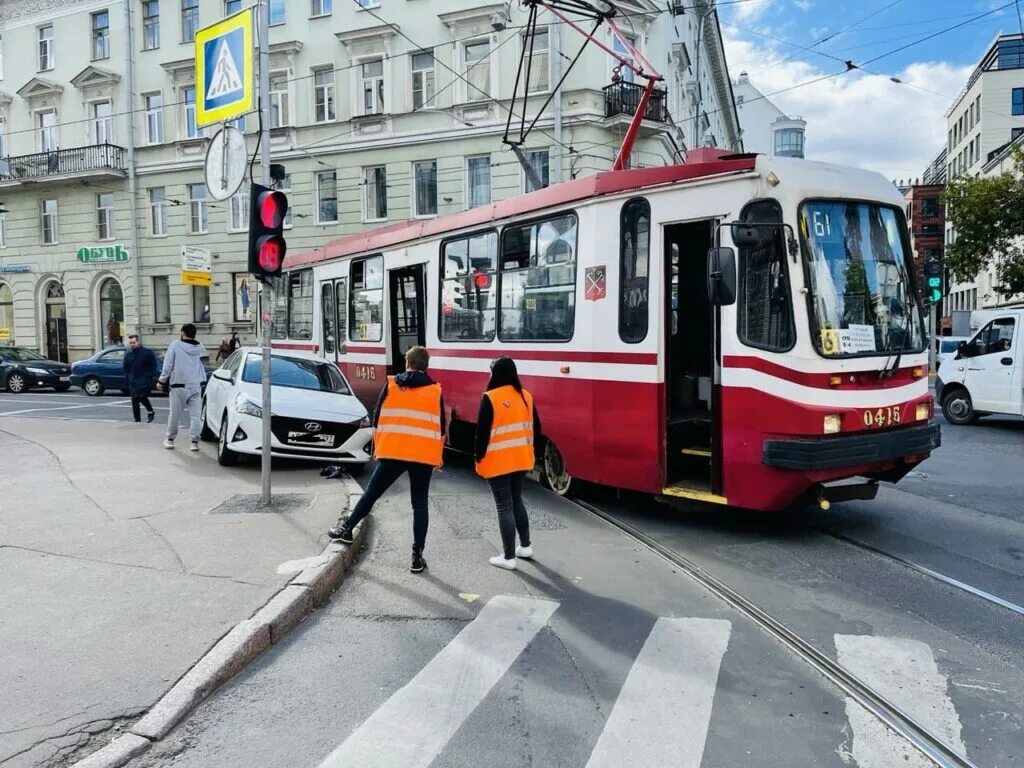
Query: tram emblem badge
point(595, 283)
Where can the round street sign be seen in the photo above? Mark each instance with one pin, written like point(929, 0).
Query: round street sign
point(225, 163)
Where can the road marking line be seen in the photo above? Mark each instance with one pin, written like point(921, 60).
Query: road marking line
point(663, 711)
point(412, 727)
point(905, 672)
point(48, 410)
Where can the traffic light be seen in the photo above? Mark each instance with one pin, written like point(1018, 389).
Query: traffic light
point(933, 276)
point(267, 211)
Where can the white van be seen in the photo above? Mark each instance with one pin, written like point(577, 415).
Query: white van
point(986, 376)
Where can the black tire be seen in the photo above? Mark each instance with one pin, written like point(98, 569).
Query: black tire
point(553, 473)
point(958, 408)
point(62, 387)
point(207, 435)
point(225, 456)
point(17, 383)
point(92, 386)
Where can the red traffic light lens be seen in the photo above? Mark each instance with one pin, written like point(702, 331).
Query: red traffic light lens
point(481, 280)
point(272, 207)
point(271, 253)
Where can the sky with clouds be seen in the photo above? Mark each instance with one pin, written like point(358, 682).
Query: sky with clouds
point(860, 116)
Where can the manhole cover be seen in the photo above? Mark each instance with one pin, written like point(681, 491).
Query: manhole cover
point(250, 502)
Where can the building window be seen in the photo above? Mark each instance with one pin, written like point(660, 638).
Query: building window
point(423, 79)
point(46, 123)
point(161, 300)
point(238, 217)
point(3, 231)
point(157, 211)
point(192, 131)
point(540, 77)
point(154, 103)
point(232, 6)
point(478, 181)
point(320, 7)
point(789, 142)
point(102, 122)
point(198, 209)
point(424, 188)
point(105, 216)
point(327, 197)
point(7, 311)
point(765, 311)
point(372, 87)
point(278, 13)
point(1, 57)
point(50, 225)
point(150, 24)
point(1010, 54)
point(469, 287)
point(46, 48)
point(634, 259)
point(100, 35)
point(285, 185)
point(538, 160)
point(625, 51)
point(477, 69)
point(376, 184)
point(189, 20)
point(3, 137)
point(366, 299)
point(200, 304)
point(323, 94)
point(930, 207)
point(279, 114)
point(538, 280)
point(1017, 101)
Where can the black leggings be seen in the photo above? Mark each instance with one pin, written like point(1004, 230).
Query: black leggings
point(384, 476)
point(512, 519)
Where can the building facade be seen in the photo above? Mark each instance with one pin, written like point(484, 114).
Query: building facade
point(766, 128)
point(380, 111)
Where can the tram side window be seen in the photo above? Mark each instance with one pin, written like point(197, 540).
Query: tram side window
point(341, 305)
point(468, 287)
point(765, 304)
point(366, 297)
point(538, 280)
point(279, 326)
point(635, 254)
point(327, 312)
point(300, 305)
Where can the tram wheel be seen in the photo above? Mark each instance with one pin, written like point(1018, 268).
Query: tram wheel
point(554, 475)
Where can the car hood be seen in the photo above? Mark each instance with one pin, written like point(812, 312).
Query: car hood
point(307, 403)
point(46, 365)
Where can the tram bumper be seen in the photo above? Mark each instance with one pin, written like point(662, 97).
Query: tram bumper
point(865, 448)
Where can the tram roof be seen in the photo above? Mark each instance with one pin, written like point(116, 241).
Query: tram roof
point(704, 163)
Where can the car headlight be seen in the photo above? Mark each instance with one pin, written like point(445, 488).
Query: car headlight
point(364, 422)
point(38, 371)
point(244, 405)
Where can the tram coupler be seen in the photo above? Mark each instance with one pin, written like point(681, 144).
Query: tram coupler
point(858, 491)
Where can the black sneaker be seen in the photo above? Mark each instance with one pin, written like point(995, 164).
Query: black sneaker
point(149, 417)
point(418, 563)
point(341, 532)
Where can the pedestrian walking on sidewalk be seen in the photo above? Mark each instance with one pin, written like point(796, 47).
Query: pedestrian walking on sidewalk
point(183, 377)
point(140, 369)
point(507, 428)
point(409, 429)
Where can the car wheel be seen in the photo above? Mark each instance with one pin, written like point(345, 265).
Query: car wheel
point(62, 387)
point(958, 408)
point(93, 386)
point(225, 456)
point(207, 434)
point(17, 383)
point(553, 472)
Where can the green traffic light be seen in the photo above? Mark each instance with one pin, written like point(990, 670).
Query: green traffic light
point(936, 296)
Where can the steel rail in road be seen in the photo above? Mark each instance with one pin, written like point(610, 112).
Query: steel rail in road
point(874, 702)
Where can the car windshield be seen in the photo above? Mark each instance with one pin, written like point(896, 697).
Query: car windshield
point(862, 298)
point(297, 373)
point(21, 355)
point(950, 346)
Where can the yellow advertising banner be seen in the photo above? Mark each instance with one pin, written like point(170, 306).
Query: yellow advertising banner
point(5, 334)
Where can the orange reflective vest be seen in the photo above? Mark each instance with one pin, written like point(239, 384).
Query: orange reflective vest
point(409, 426)
point(510, 448)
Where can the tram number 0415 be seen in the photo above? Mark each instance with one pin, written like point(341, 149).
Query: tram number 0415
point(367, 372)
point(882, 417)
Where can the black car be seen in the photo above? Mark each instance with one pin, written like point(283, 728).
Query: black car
point(22, 369)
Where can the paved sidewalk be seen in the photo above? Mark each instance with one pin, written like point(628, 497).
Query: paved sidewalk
point(123, 563)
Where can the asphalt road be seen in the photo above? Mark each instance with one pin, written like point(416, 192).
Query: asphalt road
point(75, 404)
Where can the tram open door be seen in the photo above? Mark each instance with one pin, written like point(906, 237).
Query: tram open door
point(406, 314)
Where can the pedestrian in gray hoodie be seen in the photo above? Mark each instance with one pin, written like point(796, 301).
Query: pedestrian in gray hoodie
point(182, 378)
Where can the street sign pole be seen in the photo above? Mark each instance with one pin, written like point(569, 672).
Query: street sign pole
point(267, 304)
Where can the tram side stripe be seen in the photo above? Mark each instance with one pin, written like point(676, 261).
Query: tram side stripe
point(787, 390)
point(663, 711)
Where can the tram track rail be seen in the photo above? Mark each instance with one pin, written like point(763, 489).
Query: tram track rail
point(931, 746)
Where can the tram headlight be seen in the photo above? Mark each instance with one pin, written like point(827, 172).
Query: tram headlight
point(924, 412)
point(833, 423)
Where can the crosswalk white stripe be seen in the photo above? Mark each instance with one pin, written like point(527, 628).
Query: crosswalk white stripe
point(662, 714)
point(412, 727)
point(905, 672)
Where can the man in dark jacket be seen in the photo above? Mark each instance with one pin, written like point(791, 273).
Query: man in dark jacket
point(139, 370)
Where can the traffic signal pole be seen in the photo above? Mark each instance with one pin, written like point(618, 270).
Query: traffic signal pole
point(267, 305)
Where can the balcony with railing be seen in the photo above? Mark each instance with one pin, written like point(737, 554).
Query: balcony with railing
point(623, 98)
point(95, 160)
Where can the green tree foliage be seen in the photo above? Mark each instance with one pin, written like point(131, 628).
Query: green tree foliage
point(988, 215)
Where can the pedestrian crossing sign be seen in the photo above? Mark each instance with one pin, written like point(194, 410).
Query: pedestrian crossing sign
point(224, 69)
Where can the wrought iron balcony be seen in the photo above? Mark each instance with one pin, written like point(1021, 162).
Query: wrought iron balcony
point(624, 99)
point(98, 158)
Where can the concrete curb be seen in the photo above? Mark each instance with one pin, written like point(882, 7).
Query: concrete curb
point(246, 642)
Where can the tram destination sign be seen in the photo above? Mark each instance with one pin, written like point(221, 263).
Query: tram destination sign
point(102, 254)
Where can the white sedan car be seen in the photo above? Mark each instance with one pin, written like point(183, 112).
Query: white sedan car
point(315, 415)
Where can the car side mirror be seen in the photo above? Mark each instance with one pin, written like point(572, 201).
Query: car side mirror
point(962, 350)
point(221, 374)
point(722, 276)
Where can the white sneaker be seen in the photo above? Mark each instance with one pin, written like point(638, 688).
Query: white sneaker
point(194, 447)
point(524, 552)
point(168, 443)
point(499, 561)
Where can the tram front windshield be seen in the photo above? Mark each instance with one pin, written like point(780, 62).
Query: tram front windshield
point(863, 301)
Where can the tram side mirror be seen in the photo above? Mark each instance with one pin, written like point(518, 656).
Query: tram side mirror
point(722, 276)
point(745, 236)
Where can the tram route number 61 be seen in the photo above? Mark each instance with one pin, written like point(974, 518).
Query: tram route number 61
point(366, 372)
point(883, 417)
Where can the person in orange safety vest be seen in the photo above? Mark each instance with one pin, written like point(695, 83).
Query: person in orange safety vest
point(409, 431)
point(507, 430)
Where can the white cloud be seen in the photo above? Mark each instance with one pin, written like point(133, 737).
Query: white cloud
point(804, 5)
point(856, 118)
point(748, 10)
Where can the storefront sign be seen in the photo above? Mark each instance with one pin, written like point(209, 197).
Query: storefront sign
point(5, 334)
point(15, 268)
point(196, 266)
point(102, 254)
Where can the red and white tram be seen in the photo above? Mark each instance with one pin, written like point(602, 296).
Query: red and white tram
point(799, 362)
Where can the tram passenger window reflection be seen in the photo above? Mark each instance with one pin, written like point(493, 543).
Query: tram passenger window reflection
point(468, 287)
